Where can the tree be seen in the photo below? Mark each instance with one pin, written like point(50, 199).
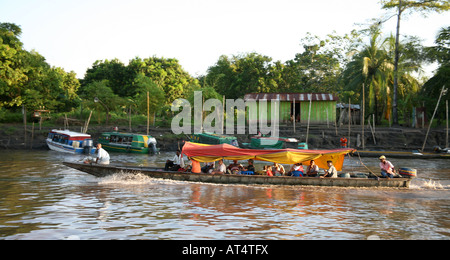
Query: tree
point(107, 99)
point(118, 75)
point(423, 6)
point(373, 66)
point(439, 53)
point(221, 77)
point(26, 79)
point(318, 67)
point(241, 74)
point(12, 70)
point(166, 73)
point(370, 67)
point(143, 84)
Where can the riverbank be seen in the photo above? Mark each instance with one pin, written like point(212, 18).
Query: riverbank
point(13, 136)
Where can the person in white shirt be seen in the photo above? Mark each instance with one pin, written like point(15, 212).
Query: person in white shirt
point(221, 169)
point(176, 163)
point(102, 155)
point(278, 169)
point(331, 172)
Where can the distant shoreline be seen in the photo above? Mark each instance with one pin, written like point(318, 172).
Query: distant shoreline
point(320, 137)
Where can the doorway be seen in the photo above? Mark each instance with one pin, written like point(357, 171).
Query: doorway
point(296, 111)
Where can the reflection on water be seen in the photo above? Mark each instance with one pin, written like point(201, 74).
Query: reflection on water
point(42, 199)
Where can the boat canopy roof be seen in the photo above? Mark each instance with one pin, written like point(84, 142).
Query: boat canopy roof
point(211, 153)
point(123, 134)
point(70, 133)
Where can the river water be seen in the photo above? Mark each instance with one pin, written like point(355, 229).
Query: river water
point(42, 199)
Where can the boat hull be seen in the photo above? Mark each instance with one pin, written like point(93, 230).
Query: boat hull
point(55, 146)
point(124, 148)
point(106, 170)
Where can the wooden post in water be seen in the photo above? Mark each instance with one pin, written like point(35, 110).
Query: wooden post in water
point(328, 121)
point(363, 116)
point(309, 120)
point(431, 122)
point(293, 116)
point(223, 114)
point(86, 125)
point(349, 120)
point(32, 136)
point(129, 120)
point(24, 111)
point(446, 136)
point(373, 117)
point(148, 112)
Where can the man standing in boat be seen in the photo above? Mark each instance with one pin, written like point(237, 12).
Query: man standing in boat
point(344, 142)
point(102, 155)
point(387, 168)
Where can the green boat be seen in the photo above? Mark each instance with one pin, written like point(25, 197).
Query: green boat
point(128, 143)
point(207, 138)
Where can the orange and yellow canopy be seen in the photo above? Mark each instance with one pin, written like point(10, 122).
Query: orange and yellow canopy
point(211, 153)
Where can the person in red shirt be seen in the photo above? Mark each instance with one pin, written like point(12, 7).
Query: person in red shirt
point(344, 142)
point(268, 170)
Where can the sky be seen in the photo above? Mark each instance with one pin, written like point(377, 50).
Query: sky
point(74, 34)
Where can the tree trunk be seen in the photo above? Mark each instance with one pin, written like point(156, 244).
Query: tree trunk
point(397, 57)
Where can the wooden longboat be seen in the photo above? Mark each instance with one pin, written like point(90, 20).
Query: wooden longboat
point(106, 170)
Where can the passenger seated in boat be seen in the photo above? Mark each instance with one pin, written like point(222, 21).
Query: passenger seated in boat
point(331, 172)
point(175, 164)
point(312, 170)
point(234, 168)
point(195, 166)
point(278, 169)
point(192, 166)
point(387, 168)
point(221, 168)
point(296, 170)
point(250, 167)
point(268, 170)
point(187, 166)
point(102, 155)
point(208, 167)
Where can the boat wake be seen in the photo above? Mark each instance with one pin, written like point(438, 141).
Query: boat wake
point(429, 185)
point(124, 178)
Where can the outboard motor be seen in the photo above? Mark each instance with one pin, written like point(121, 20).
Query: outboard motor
point(88, 144)
point(153, 149)
point(438, 149)
point(407, 173)
point(152, 145)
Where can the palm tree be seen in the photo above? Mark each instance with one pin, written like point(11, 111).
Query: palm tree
point(371, 67)
point(374, 67)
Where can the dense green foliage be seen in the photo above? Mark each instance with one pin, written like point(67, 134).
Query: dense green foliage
point(401, 6)
point(373, 67)
point(440, 54)
point(26, 79)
